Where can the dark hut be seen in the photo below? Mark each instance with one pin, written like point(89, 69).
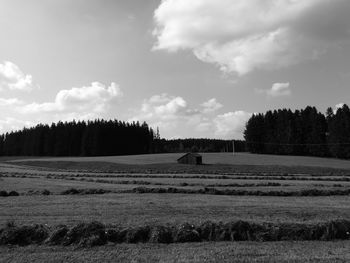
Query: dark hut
point(190, 158)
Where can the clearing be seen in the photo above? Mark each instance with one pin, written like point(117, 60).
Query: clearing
point(153, 189)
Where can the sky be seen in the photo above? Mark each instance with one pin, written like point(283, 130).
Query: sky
point(196, 68)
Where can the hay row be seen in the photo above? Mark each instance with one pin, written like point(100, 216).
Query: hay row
point(205, 177)
point(234, 192)
point(97, 234)
point(140, 182)
point(174, 190)
point(189, 176)
point(74, 191)
point(230, 170)
point(10, 193)
point(170, 168)
point(71, 191)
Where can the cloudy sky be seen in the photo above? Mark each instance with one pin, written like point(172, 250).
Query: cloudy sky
point(194, 68)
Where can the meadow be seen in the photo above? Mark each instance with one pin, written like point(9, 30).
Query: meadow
point(149, 191)
point(262, 252)
point(211, 158)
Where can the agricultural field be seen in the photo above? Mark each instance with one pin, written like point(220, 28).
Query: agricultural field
point(146, 208)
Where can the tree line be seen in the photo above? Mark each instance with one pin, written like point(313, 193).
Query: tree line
point(197, 145)
point(302, 132)
point(92, 138)
point(102, 138)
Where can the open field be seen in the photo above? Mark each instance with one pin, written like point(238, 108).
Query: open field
point(58, 183)
point(137, 209)
point(191, 199)
point(211, 158)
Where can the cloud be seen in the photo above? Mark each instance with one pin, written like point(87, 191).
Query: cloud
point(211, 105)
point(84, 103)
point(10, 102)
point(12, 78)
point(12, 124)
point(231, 124)
point(173, 115)
point(277, 90)
point(95, 98)
point(244, 35)
point(164, 111)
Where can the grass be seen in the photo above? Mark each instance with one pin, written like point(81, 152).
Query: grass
point(137, 209)
point(221, 252)
point(211, 158)
point(119, 173)
point(171, 168)
point(25, 185)
point(30, 185)
point(97, 234)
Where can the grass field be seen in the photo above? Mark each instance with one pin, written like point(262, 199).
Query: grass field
point(279, 252)
point(212, 158)
point(245, 172)
point(136, 209)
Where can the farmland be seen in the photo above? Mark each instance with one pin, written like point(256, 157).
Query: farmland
point(153, 190)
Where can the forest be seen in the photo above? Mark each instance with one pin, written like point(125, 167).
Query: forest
point(305, 132)
point(92, 138)
point(102, 138)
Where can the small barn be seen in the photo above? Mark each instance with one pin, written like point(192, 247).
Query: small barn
point(190, 158)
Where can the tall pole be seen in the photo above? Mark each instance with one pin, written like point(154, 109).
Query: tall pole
point(233, 147)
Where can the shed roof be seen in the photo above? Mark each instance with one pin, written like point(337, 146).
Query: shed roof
point(193, 154)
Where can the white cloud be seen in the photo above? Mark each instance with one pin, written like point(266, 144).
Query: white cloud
point(231, 124)
point(277, 90)
point(165, 111)
point(173, 115)
point(12, 124)
point(211, 105)
point(12, 78)
point(95, 98)
point(84, 103)
point(10, 102)
point(243, 35)
point(174, 106)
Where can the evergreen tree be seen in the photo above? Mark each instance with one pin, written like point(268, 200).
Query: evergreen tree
point(93, 138)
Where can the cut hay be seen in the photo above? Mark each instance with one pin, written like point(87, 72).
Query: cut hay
point(86, 234)
point(235, 192)
point(23, 235)
point(96, 234)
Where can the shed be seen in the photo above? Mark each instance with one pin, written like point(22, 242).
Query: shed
point(190, 158)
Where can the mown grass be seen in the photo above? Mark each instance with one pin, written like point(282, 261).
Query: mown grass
point(98, 234)
point(174, 168)
point(217, 183)
point(211, 158)
point(28, 185)
point(219, 252)
point(138, 209)
point(60, 185)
